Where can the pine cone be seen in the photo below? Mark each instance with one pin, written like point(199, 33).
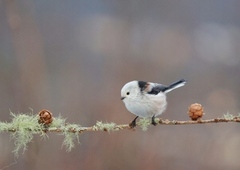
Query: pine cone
point(195, 111)
point(45, 117)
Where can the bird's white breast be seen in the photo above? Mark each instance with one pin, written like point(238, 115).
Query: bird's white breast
point(147, 105)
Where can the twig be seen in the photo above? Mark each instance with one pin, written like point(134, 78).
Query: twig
point(200, 121)
point(116, 127)
point(25, 126)
point(89, 129)
point(126, 126)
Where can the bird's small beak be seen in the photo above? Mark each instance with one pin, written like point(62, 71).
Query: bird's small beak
point(122, 98)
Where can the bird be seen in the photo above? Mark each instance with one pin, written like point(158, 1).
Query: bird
point(147, 99)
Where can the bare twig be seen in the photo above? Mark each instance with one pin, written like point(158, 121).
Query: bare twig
point(199, 121)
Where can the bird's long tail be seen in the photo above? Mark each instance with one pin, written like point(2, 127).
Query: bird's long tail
point(175, 85)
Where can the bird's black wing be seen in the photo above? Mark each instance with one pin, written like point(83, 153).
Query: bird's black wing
point(157, 88)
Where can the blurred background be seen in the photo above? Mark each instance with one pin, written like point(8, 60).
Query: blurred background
point(73, 57)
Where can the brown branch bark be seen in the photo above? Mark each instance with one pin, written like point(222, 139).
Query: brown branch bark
point(159, 122)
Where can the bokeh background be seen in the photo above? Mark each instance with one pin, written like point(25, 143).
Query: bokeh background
point(73, 57)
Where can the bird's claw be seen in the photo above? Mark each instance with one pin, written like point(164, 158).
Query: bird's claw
point(153, 121)
point(133, 124)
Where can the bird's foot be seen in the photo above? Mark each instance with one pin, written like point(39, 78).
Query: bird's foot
point(133, 124)
point(153, 121)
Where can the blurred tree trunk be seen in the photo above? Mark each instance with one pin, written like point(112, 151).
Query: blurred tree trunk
point(31, 66)
point(29, 53)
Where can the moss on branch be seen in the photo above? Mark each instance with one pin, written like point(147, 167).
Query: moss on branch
point(24, 126)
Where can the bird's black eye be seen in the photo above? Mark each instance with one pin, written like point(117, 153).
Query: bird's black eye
point(128, 93)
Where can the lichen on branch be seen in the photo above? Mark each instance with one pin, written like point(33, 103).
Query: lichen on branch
point(24, 126)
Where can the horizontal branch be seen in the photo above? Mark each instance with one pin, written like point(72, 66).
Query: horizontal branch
point(107, 127)
point(25, 126)
point(90, 129)
point(117, 127)
point(199, 121)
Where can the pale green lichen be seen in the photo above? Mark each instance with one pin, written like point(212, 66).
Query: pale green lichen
point(144, 123)
point(105, 126)
point(71, 136)
point(58, 122)
point(5, 126)
point(70, 132)
point(24, 126)
point(228, 116)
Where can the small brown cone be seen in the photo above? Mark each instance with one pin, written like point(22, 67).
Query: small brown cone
point(195, 111)
point(45, 117)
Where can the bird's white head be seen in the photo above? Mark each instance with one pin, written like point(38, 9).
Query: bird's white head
point(130, 91)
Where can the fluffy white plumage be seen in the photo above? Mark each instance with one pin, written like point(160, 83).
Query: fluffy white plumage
point(146, 99)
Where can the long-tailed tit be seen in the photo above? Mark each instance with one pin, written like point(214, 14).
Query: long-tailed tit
point(146, 99)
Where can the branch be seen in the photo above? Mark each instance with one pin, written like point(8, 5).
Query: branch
point(200, 121)
point(24, 126)
point(108, 127)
